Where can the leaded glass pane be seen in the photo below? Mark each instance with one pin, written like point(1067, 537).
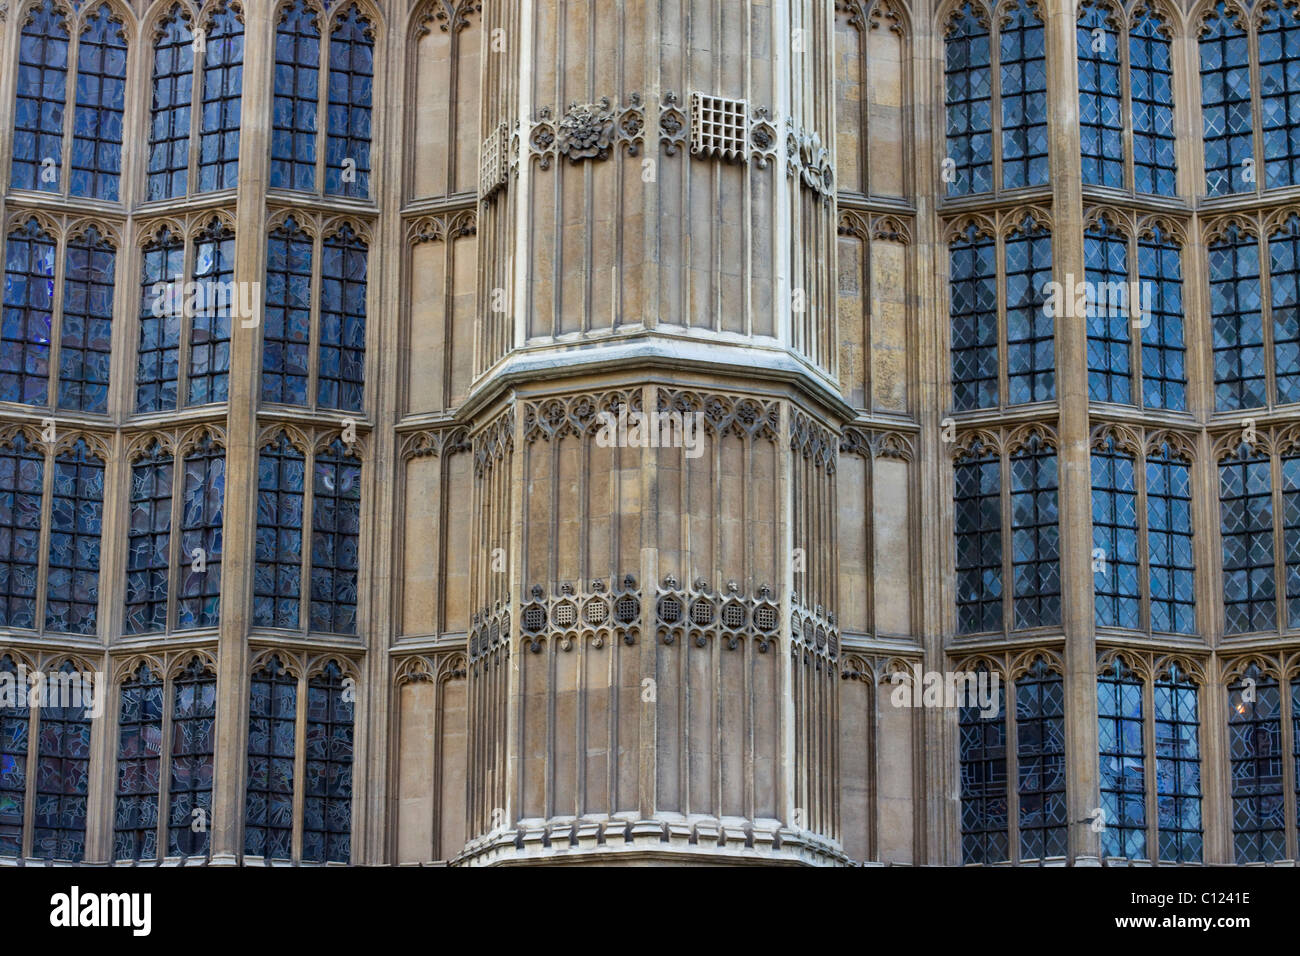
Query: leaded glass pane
point(968, 81)
point(983, 768)
point(978, 512)
point(1022, 65)
point(28, 315)
point(1238, 321)
point(286, 336)
point(101, 104)
point(327, 805)
point(40, 100)
point(214, 274)
point(1291, 536)
point(62, 769)
point(351, 83)
point(15, 724)
point(189, 790)
point(973, 306)
point(86, 332)
point(342, 372)
point(148, 555)
point(1109, 314)
point(22, 483)
point(1031, 344)
point(223, 80)
point(1255, 756)
point(198, 601)
point(139, 766)
point(277, 578)
point(1151, 95)
point(1172, 563)
point(297, 98)
point(1279, 94)
point(1227, 131)
point(1115, 566)
point(1178, 769)
point(76, 519)
point(1035, 542)
point(158, 364)
point(1284, 289)
point(335, 541)
point(272, 712)
point(1101, 102)
point(1122, 764)
point(1040, 761)
point(1246, 528)
point(173, 92)
point(1164, 372)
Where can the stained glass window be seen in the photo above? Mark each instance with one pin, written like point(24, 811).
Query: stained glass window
point(27, 326)
point(1040, 762)
point(1171, 562)
point(978, 506)
point(1279, 94)
point(1035, 544)
point(1151, 105)
point(1031, 345)
point(139, 766)
point(973, 305)
point(1284, 303)
point(1164, 373)
point(1255, 755)
point(76, 519)
point(1123, 762)
point(336, 529)
point(199, 598)
point(223, 80)
point(41, 99)
point(277, 578)
point(296, 99)
point(1227, 133)
point(189, 791)
point(342, 351)
point(1116, 566)
point(173, 95)
point(1236, 308)
point(158, 365)
point(148, 556)
point(351, 82)
point(983, 768)
point(15, 726)
point(1178, 768)
point(327, 806)
point(1109, 314)
point(86, 329)
point(1101, 98)
point(286, 336)
point(1246, 527)
point(214, 272)
point(22, 483)
point(272, 713)
point(62, 768)
point(1022, 64)
point(100, 105)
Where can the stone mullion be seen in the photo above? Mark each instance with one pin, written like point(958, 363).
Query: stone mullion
point(226, 844)
point(1074, 495)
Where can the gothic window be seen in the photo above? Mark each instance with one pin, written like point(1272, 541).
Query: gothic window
point(1017, 264)
point(1178, 768)
point(272, 713)
point(1035, 544)
point(139, 766)
point(327, 810)
point(1171, 562)
point(57, 315)
point(336, 529)
point(75, 523)
point(186, 307)
point(192, 736)
point(983, 760)
point(1013, 54)
point(1236, 305)
point(315, 309)
point(1040, 762)
point(979, 541)
point(49, 44)
point(281, 497)
point(15, 728)
point(1290, 511)
point(1123, 764)
point(197, 84)
point(1284, 306)
point(1163, 364)
point(22, 483)
point(1126, 73)
point(200, 478)
point(62, 771)
point(1238, 158)
point(1246, 527)
point(1115, 530)
point(314, 81)
point(1109, 313)
point(1255, 756)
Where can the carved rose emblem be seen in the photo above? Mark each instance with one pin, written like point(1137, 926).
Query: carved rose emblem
point(586, 132)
